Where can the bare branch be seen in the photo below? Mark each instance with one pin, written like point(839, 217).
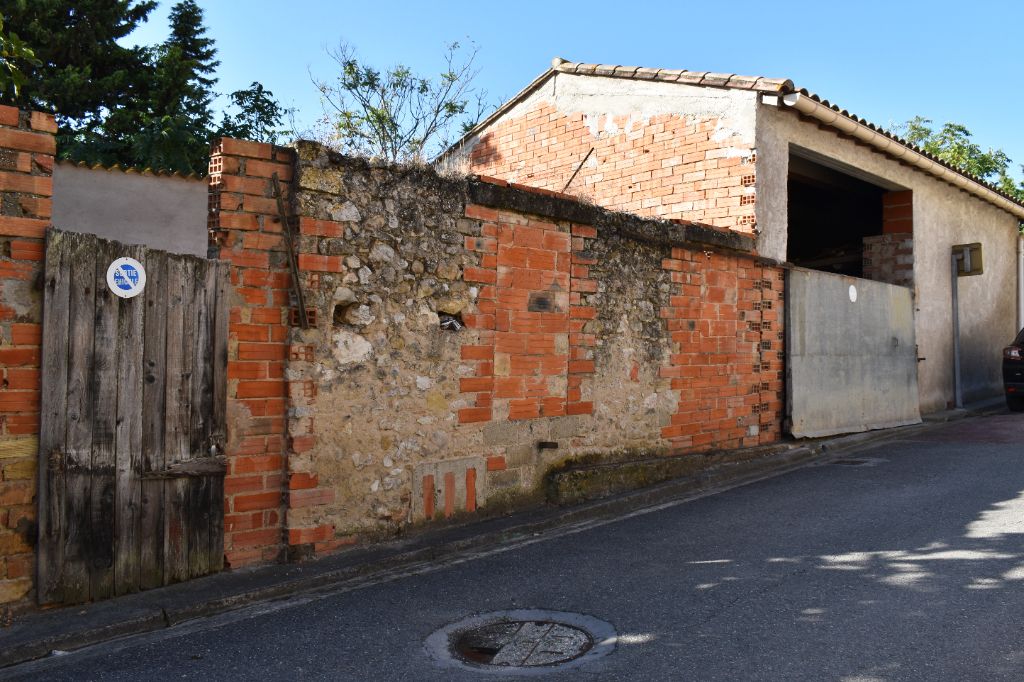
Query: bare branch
point(397, 114)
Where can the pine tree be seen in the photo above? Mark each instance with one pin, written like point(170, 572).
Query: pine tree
point(175, 129)
point(141, 107)
point(185, 67)
point(82, 70)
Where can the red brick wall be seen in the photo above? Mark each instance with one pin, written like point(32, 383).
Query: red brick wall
point(533, 355)
point(526, 300)
point(666, 166)
point(725, 320)
point(246, 230)
point(898, 212)
point(271, 494)
point(27, 149)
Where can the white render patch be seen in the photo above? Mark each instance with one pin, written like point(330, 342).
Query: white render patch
point(350, 348)
point(642, 100)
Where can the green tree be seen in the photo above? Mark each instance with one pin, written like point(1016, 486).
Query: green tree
point(185, 66)
point(82, 71)
point(396, 114)
point(256, 116)
point(168, 125)
point(173, 131)
point(13, 52)
point(952, 143)
point(144, 107)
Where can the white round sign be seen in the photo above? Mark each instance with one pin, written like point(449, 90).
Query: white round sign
point(853, 294)
point(126, 277)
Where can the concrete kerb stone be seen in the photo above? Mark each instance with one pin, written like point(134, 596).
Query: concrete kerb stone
point(38, 635)
point(988, 406)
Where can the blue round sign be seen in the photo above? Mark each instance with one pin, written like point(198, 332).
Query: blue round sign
point(126, 277)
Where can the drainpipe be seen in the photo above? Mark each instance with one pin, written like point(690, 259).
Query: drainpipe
point(958, 396)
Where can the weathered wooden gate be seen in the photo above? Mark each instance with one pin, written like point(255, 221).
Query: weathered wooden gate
point(131, 471)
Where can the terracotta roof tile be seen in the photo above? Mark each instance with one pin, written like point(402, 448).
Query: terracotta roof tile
point(671, 75)
point(130, 170)
point(692, 77)
point(644, 73)
point(717, 80)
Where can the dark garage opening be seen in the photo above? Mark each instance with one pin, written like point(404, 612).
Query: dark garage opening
point(830, 214)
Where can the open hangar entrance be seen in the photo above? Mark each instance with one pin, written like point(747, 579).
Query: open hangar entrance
point(851, 354)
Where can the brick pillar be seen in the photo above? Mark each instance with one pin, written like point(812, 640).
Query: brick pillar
point(889, 257)
point(898, 212)
point(27, 149)
point(245, 228)
point(581, 340)
point(272, 494)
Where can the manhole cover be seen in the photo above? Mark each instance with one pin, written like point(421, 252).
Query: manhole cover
point(521, 642)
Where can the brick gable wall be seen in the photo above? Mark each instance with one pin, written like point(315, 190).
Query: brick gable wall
point(667, 166)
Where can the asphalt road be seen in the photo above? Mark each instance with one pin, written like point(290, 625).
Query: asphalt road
point(908, 566)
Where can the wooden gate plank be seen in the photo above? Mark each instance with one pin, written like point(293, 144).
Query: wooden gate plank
point(154, 398)
point(80, 402)
point(128, 441)
point(180, 330)
point(202, 407)
point(54, 398)
point(134, 422)
point(218, 425)
point(102, 491)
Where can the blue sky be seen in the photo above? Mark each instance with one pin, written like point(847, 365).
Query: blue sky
point(885, 61)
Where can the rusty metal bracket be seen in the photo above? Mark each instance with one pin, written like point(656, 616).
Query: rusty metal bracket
point(578, 168)
point(288, 228)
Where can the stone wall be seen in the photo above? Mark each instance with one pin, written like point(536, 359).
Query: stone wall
point(472, 335)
